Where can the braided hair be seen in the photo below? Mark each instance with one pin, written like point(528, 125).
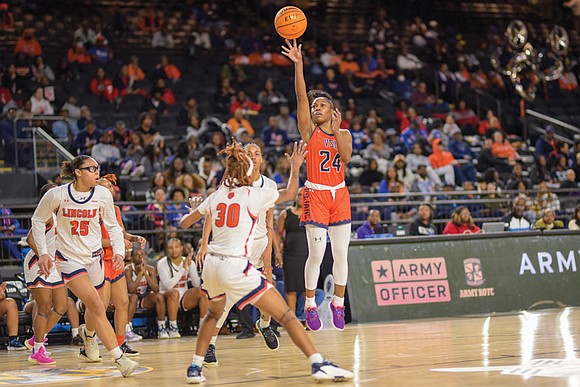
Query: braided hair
point(237, 166)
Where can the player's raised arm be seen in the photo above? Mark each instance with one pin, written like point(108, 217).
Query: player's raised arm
point(296, 160)
point(293, 51)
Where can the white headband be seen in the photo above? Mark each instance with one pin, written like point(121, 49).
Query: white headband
point(326, 98)
point(251, 168)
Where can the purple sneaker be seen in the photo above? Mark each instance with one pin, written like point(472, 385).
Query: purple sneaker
point(312, 319)
point(337, 316)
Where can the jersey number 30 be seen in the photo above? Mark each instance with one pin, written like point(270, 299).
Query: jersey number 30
point(228, 215)
point(325, 165)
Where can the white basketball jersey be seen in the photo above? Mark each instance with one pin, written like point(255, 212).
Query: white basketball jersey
point(142, 287)
point(234, 214)
point(260, 230)
point(176, 277)
point(78, 223)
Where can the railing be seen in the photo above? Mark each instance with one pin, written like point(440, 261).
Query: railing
point(41, 142)
point(40, 138)
point(573, 129)
point(139, 221)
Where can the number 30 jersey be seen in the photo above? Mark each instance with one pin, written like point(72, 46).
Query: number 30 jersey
point(323, 163)
point(234, 214)
point(78, 223)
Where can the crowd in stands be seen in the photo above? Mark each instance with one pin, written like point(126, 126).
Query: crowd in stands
point(140, 115)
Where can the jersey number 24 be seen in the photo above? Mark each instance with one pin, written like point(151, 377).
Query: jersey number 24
point(228, 215)
point(325, 165)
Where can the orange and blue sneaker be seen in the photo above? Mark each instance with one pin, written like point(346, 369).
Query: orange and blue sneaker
point(313, 319)
point(337, 316)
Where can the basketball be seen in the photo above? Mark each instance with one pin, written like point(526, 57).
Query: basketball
point(290, 22)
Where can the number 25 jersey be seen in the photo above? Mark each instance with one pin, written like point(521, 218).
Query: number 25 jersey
point(323, 163)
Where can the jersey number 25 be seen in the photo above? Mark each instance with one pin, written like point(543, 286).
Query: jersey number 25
point(228, 215)
point(325, 165)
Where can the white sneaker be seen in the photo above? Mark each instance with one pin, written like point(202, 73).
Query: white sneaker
point(162, 334)
point(139, 171)
point(91, 345)
point(327, 371)
point(174, 333)
point(131, 336)
point(126, 365)
point(127, 167)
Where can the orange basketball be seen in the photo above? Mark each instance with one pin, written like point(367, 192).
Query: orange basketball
point(290, 22)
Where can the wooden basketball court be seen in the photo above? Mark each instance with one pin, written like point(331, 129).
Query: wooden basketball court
point(529, 348)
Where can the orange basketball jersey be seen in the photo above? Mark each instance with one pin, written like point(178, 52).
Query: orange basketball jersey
point(108, 256)
point(323, 163)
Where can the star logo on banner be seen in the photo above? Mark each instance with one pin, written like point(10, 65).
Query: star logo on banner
point(382, 272)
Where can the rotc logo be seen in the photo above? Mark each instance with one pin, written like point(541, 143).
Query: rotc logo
point(473, 272)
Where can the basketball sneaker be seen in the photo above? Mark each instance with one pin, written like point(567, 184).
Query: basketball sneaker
point(83, 356)
point(40, 357)
point(270, 338)
point(131, 336)
point(337, 316)
point(91, 346)
point(162, 333)
point(126, 365)
point(77, 340)
point(326, 371)
point(194, 375)
point(127, 350)
point(30, 342)
point(15, 345)
point(174, 333)
point(312, 319)
point(210, 359)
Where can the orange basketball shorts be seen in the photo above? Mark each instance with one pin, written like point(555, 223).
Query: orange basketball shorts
point(322, 209)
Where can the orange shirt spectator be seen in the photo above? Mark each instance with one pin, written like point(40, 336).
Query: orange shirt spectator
point(150, 21)
point(349, 64)
point(502, 148)
point(238, 121)
point(134, 70)
point(28, 44)
point(440, 157)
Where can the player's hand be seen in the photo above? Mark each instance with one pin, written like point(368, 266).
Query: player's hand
point(299, 152)
point(194, 202)
point(118, 262)
point(45, 265)
point(293, 51)
point(200, 256)
point(266, 265)
point(141, 240)
point(278, 259)
point(336, 120)
point(188, 259)
point(128, 244)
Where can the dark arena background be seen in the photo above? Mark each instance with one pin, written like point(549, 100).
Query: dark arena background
point(464, 177)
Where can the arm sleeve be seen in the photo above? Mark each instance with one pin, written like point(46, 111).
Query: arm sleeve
point(113, 227)
point(41, 215)
point(165, 278)
point(262, 199)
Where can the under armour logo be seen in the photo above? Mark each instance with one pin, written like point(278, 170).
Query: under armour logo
point(317, 239)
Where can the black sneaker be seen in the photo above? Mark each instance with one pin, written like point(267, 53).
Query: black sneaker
point(245, 335)
point(270, 338)
point(77, 340)
point(127, 350)
point(210, 360)
point(276, 331)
